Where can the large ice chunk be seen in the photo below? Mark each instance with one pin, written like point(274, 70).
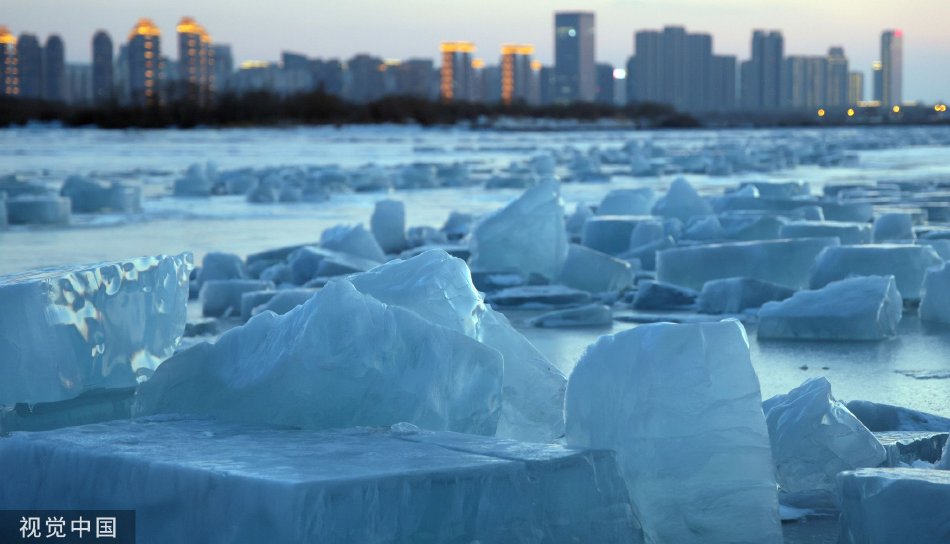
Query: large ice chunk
point(907, 263)
point(681, 201)
point(388, 224)
point(847, 233)
point(906, 448)
point(594, 272)
point(526, 236)
point(611, 233)
point(590, 315)
point(860, 308)
point(220, 298)
point(657, 295)
point(341, 359)
point(439, 288)
point(627, 202)
point(354, 240)
point(785, 262)
point(196, 480)
point(70, 329)
point(38, 210)
point(733, 295)
point(935, 296)
point(883, 505)
point(814, 437)
point(884, 417)
point(221, 266)
point(893, 227)
point(653, 394)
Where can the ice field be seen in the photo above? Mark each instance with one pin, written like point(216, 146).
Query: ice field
point(392, 334)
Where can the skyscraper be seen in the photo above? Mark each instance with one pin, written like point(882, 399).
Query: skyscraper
point(30, 65)
point(605, 84)
point(892, 68)
point(877, 80)
point(9, 74)
point(855, 87)
point(678, 68)
point(762, 74)
point(575, 71)
point(102, 74)
point(78, 84)
point(836, 94)
point(804, 82)
point(223, 66)
point(516, 72)
point(144, 54)
point(456, 77)
point(364, 78)
point(195, 61)
point(54, 69)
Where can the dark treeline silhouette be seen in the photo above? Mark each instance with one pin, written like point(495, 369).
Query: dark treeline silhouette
point(318, 108)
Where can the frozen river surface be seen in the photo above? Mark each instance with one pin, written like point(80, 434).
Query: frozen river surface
point(889, 371)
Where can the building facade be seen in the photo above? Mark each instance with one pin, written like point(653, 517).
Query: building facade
point(54, 69)
point(575, 69)
point(855, 87)
point(103, 80)
point(144, 63)
point(516, 74)
point(30, 64)
point(9, 72)
point(456, 76)
point(892, 68)
point(762, 74)
point(838, 79)
point(195, 62)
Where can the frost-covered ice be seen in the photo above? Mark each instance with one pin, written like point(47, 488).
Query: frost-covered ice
point(196, 480)
point(884, 417)
point(734, 295)
point(814, 437)
point(341, 359)
point(590, 315)
point(907, 263)
point(859, 308)
point(884, 505)
point(527, 236)
point(70, 329)
point(654, 394)
point(935, 295)
point(785, 262)
point(593, 271)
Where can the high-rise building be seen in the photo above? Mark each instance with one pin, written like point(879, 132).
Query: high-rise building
point(546, 85)
point(678, 68)
point(457, 78)
point(364, 78)
point(78, 83)
point(30, 65)
point(103, 83)
point(144, 60)
point(9, 73)
point(722, 83)
point(855, 87)
point(223, 66)
point(575, 71)
point(762, 74)
point(877, 81)
point(516, 72)
point(328, 75)
point(892, 68)
point(605, 84)
point(836, 94)
point(413, 77)
point(804, 82)
point(195, 61)
point(54, 69)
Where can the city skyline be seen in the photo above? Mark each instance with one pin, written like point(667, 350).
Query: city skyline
point(344, 31)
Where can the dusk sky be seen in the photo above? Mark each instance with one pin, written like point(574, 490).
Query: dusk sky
point(413, 28)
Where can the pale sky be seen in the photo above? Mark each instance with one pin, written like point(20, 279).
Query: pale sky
point(413, 28)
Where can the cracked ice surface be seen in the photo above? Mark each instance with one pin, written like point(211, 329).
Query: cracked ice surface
point(69, 329)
